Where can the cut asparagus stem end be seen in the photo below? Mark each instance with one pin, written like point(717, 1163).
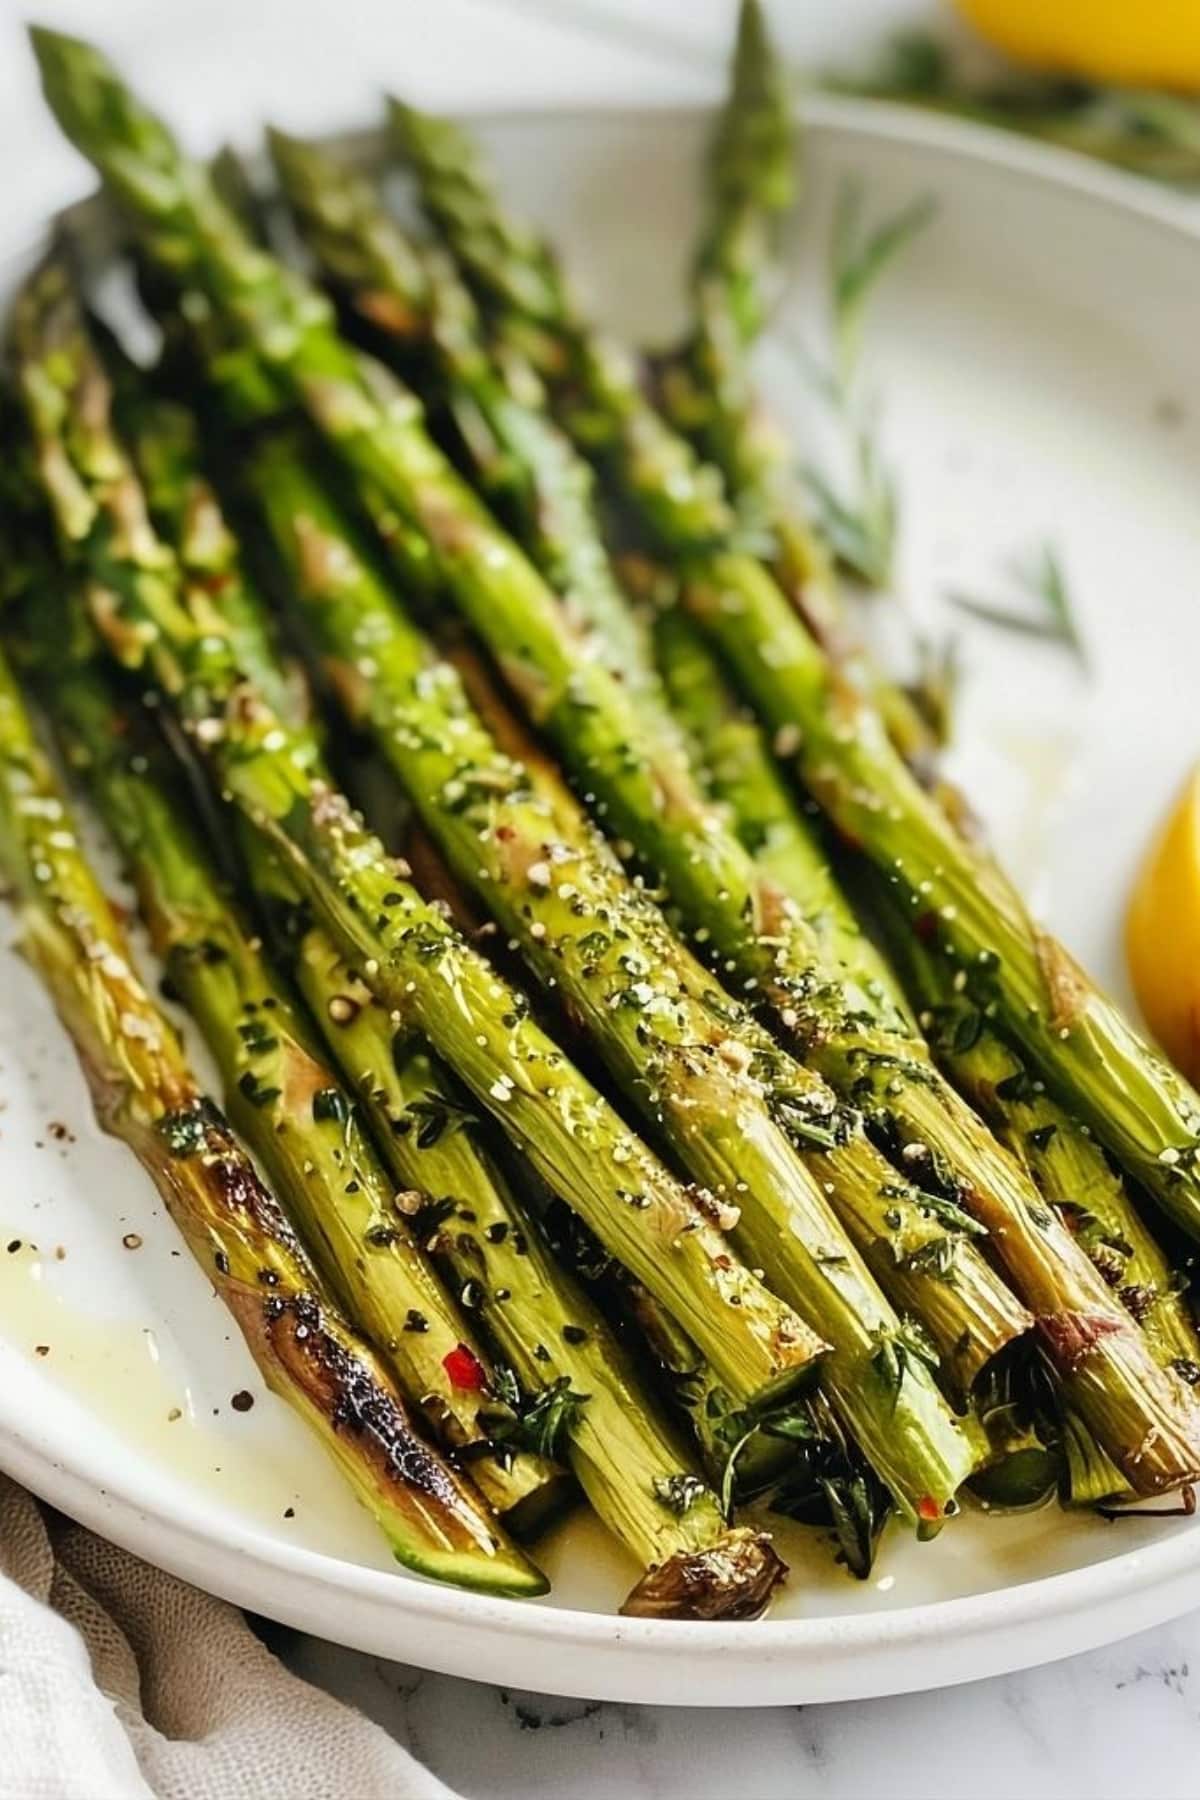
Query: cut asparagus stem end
point(735, 1578)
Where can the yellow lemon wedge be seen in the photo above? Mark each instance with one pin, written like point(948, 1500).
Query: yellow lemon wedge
point(1162, 933)
point(1153, 44)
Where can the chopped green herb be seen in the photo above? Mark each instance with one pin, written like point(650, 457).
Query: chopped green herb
point(679, 1493)
point(1042, 579)
point(255, 1091)
point(438, 1114)
point(330, 1103)
point(541, 1424)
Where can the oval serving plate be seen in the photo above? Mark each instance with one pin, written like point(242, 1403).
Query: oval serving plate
point(1038, 374)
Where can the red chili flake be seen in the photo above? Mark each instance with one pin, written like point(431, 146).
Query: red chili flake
point(505, 833)
point(928, 1508)
point(464, 1368)
point(925, 927)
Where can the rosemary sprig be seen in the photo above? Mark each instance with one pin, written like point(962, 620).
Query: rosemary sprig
point(859, 257)
point(858, 518)
point(860, 528)
point(1044, 580)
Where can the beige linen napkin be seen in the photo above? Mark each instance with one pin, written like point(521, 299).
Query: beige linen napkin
point(118, 1682)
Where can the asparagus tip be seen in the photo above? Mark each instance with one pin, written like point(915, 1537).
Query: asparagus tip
point(54, 49)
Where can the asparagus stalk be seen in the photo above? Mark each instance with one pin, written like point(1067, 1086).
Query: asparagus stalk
point(404, 948)
point(286, 1101)
point(647, 795)
point(185, 510)
point(364, 254)
point(422, 313)
point(576, 1393)
point(734, 754)
point(708, 390)
point(751, 177)
point(145, 1093)
point(799, 1461)
point(1063, 1158)
point(598, 382)
point(1064, 1162)
point(887, 1199)
point(1107, 1364)
point(712, 878)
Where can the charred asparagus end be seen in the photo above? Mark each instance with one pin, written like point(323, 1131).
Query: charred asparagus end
point(733, 1579)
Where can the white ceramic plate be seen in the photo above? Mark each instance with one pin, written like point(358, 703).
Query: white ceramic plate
point(1039, 370)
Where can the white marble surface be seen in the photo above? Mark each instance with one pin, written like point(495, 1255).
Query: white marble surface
point(1122, 1721)
point(1125, 1720)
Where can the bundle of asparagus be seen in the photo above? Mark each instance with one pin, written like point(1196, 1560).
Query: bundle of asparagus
point(884, 1175)
point(851, 1034)
point(144, 1092)
point(128, 579)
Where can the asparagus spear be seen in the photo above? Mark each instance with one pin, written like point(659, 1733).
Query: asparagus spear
point(909, 1252)
point(751, 176)
point(416, 301)
point(799, 1461)
point(713, 880)
point(184, 507)
point(735, 755)
point(145, 1093)
point(1063, 1158)
point(285, 1100)
point(716, 1425)
point(576, 1392)
point(599, 382)
point(1079, 1042)
point(423, 314)
point(708, 390)
point(405, 949)
point(1065, 1163)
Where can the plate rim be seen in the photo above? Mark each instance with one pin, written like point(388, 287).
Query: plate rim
point(1157, 1573)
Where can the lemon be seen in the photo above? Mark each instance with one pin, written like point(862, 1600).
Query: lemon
point(1155, 43)
point(1162, 933)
